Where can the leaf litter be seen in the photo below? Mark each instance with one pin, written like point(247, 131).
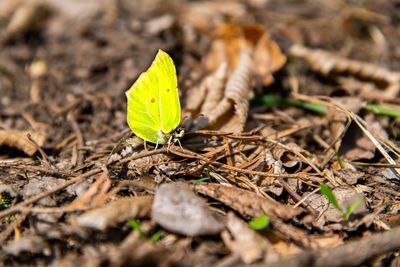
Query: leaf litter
point(267, 122)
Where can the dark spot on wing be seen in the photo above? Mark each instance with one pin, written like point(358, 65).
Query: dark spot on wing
point(152, 100)
point(167, 90)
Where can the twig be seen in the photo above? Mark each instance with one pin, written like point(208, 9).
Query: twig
point(353, 253)
point(79, 137)
point(296, 196)
point(22, 205)
point(42, 153)
point(10, 228)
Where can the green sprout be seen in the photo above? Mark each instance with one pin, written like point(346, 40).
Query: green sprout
point(273, 101)
point(260, 222)
point(200, 180)
point(328, 193)
point(135, 224)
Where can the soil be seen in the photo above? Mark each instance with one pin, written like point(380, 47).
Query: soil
point(83, 190)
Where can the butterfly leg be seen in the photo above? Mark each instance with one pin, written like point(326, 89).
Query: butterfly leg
point(180, 145)
point(169, 143)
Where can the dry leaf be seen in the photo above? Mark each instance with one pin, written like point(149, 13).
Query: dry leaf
point(118, 211)
point(95, 194)
point(345, 196)
point(329, 63)
point(356, 145)
point(31, 243)
point(236, 96)
point(27, 16)
point(20, 141)
point(232, 39)
point(247, 243)
point(206, 15)
point(249, 53)
point(179, 210)
point(247, 203)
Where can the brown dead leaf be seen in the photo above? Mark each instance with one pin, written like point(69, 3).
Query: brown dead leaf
point(247, 203)
point(30, 243)
point(337, 125)
point(95, 194)
point(328, 63)
point(247, 243)
point(356, 145)
point(20, 140)
point(206, 15)
point(26, 16)
point(249, 53)
point(236, 97)
point(232, 39)
point(177, 208)
point(116, 212)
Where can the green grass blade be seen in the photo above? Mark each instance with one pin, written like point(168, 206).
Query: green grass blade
point(156, 236)
point(350, 209)
point(383, 110)
point(328, 193)
point(135, 224)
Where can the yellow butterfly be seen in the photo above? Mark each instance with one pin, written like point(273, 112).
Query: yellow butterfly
point(154, 110)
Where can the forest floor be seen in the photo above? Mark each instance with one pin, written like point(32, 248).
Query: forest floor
point(290, 155)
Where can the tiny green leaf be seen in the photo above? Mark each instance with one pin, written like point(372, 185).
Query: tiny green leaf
point(350, 209)
point(328, 193)
point(156, 236)
point(135, 224)
point(260, 222)
point(200, 180)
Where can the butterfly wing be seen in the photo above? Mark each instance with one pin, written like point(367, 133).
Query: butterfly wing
point(153, 101)
point(170, 107)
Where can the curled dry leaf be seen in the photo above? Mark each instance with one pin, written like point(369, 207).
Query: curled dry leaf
point(236, 97)
point(27, 16)
point(247, 203)
point(118, 211)
point(232, 39)
point(249, 53)
point(328, 63)
point(177, 208)
point(20, 140)
point(357, 145)
point(247, 243)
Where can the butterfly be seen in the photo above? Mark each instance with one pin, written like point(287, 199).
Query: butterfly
point(153, 108)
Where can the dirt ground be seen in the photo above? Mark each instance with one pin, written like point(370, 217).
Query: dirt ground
point(290, 154)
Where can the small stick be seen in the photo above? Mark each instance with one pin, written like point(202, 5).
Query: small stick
point(22, 205)
point(42, 153)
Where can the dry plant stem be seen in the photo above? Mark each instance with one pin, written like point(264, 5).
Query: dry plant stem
point(24, 204)
point(190, 154)
point(374, 140)
point(44, 170)
point(79, 137)
point(296, 197)
point(306, 197)
point(10, 228)
point(42, 153)
point(353, 253)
